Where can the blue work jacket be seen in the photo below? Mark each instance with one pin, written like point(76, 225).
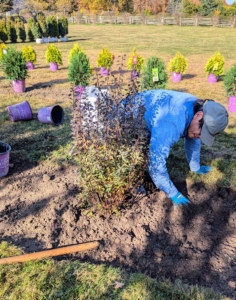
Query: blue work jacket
point(168, 116)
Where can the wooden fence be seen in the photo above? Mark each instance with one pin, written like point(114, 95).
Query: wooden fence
point(158, 20)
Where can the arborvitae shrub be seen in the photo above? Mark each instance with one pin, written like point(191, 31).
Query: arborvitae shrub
point(154, 75)
point(63, 26)
point(42, 24)
point(230, 81)
point(3, 32)
point(53, 54)
point(79, 70)
point(29, 30)
point(52, 26)
point(20, 29)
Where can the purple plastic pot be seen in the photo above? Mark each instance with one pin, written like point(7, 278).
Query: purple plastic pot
point(18, 86)
point(232, 104)
point(4, 158)
point(212, 78)
point(79, 91)
point(53, 66)
point(51, 115)
point(134, 74)
point(104, 72)
point(20, 111)
point(176, 77)
point(29, 65)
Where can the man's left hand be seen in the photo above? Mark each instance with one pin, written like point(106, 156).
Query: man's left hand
point(204, 170)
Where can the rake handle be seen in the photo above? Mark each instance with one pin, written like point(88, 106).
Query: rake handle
point(49, 253)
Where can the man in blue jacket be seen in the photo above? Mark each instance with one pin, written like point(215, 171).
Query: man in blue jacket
point(171, 115)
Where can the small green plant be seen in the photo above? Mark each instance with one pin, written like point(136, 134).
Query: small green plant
point(230, 81)
point(154, 74)
point(2, 48)
point(75, 50)
point(29, 54)
point(35, 28)
point(215, 64)
point(53, 54)
point(105, 59)
point(63, 26)
point(14, 65)
point(79, 70)
point(178, 64)
point(135, 61)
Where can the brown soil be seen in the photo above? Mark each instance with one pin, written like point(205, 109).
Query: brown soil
point(39, 210)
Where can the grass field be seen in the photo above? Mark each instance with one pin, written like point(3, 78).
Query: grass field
point(196, 43)
point(46, 88)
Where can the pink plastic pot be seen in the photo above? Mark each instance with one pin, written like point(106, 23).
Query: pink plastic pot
point(20, 112)
point(51, 115)
point(212, 78)
point(18, 86)
point(79, 91)
point(176, 77)
point(4, 158)
point(53, 66)
point(104, 72)
point(134, 74)
point(232, 104)
point(30, 65)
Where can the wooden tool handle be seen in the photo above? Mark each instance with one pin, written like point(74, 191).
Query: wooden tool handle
point(49, 253)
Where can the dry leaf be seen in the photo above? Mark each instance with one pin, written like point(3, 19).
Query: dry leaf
point(118, 285)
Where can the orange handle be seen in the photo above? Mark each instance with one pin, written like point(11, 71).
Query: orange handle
point(49, 253)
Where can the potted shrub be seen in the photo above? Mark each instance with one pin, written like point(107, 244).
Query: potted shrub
point(135, 63)
point(63, 29)
point(20, 29)
point(105, 61)
point(178, 65)
point(14, 67)
point(30, 56)
point(43, 26)
point(53, 57)
point(75, 50)
point(30, 22)
point(230, 87)
point(79, 72)
point(35, 28)
point(154, 75)
point(215, 67)
point(52, 28)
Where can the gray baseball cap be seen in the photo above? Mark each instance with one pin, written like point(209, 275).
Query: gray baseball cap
point(215, 118)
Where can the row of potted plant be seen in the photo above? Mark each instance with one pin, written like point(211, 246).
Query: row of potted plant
point(16, 64)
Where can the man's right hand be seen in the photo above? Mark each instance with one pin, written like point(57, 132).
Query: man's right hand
point(180, 199)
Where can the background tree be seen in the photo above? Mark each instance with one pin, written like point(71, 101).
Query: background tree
point(6, 5)
point(36, 6)
point(65, 6)
point(190, 7)
point(207, 7)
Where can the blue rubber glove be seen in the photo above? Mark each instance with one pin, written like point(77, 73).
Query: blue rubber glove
point(180, 199)
point(204, 170)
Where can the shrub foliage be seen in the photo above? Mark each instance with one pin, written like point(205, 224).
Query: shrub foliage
point(79, 69)
point(230, 81)
point(111, 143)
point(154, 74)
point(215, 64)
point(178, 63)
